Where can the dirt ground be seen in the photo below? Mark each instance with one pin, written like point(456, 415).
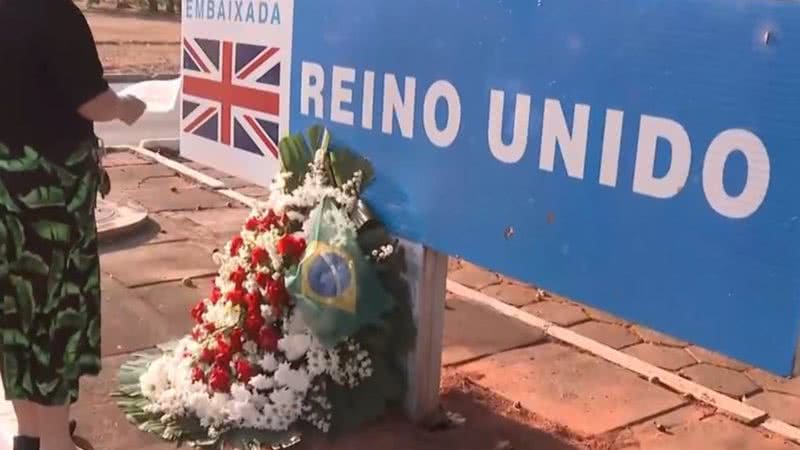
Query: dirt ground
point(492, 423)
point(135, 41)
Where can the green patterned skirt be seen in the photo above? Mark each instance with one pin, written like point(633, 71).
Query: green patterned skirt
point(49, 274)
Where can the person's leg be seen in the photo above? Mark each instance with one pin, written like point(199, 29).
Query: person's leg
point(27, 437)
point(27, 418)
point(54, 431)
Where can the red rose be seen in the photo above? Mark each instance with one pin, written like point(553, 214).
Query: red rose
point(253, 301)
point(224, 352)
point(269, 221)
point(268, 339)
point(210, 328)
point(236, 245)
point(198, 375)
point(216, 294)
point(276, 292)
point(262, 279)
point(252, 224)
point(290, 246)
point(253, 322)
point(259, 256)
point(244, 371)
point(236, 296)
point(196, 333)
point(238, 276)
point(236, 340)
point(207, 355)
point(220, 379)
point(198, 311)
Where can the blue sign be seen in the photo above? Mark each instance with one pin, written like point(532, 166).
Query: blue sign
point(638, 156)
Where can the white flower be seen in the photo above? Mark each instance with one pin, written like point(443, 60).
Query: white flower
point(262, 382)
point(294, 346)
point(269, 363)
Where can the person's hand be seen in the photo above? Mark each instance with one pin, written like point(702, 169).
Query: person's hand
point(130, 109)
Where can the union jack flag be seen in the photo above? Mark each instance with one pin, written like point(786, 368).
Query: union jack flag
point(231, 94)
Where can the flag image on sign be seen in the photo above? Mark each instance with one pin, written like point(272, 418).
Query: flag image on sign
point(231, 94)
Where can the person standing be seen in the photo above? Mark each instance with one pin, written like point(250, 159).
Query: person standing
point(51, 91)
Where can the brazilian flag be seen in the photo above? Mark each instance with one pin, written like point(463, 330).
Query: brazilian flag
point(335, 287)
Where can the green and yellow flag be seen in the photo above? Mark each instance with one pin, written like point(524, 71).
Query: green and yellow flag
point(335, 287)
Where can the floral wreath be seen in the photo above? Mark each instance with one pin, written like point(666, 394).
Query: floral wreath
point(307, 325)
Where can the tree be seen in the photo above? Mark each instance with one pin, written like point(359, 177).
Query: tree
point(153, 5)
point(171, 6)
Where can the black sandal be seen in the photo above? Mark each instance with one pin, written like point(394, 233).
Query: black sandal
point(26, 443)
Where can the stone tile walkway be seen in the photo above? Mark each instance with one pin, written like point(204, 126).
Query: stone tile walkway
point(151, 280)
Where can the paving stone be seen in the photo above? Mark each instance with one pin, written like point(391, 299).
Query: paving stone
point(781, 406)
point(683, 416)
point(772, 382)
point(513, 294)
point(222, 223)
point(714, 433)
point(721, 379)
point(234, 182)
point(254, 191)
point(157, 263)
point(101, 422)
point(129, 323)
point(560, 313)
point(453, 264)
point(473, 330)
point(602, 316)
point(188, 198)
point(669, 358)
point(175, 300)
point(707, 356)
point(117, 159)
point(473, 276)
point(581, 392)
point(655, 337)
point(612, 335)
point(131, 177)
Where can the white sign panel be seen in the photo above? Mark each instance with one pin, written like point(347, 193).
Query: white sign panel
point(236, 68)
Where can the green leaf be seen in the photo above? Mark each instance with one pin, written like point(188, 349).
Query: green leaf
point(81, 260)
point(10, 365)
point(27, 381)
point(315, 137)
point(52, 231)
point(92, 283)
point(80, 155)
point(30, 263)
point(295, 159)
point(86, 188)
point(13, 337)
point(345, 164)
point(71, 350)
point(47, 387)
point(4, 151)
point(89, 361)
point(6, 201)
point(16, 233)
point(93, 333)
point(70, 318)
point(54, 278)
point(9, 305)
point(25, 302)
point(43, 197)
point(41, 355)
point(70, 288)
point(27, 163)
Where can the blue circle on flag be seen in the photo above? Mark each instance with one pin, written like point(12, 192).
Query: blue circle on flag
point(329, 274)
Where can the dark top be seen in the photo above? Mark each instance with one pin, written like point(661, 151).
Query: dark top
point(48, 68)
